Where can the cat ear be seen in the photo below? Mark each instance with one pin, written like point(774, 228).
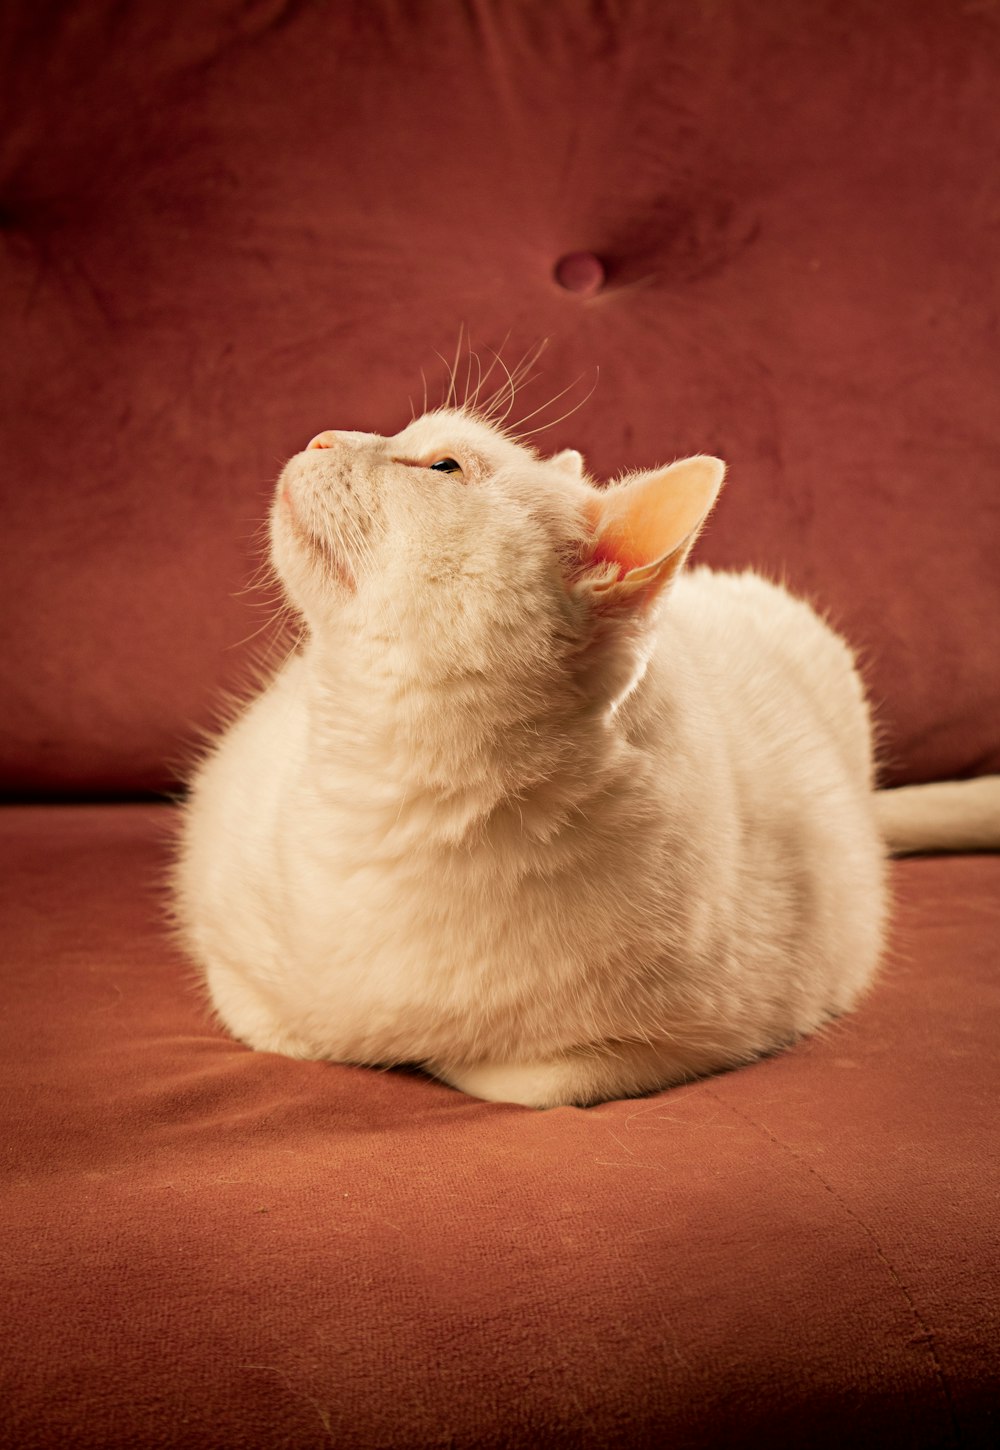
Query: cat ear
point(569, 461)
point(646, 525)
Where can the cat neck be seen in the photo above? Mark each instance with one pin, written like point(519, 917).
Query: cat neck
point(454, 760)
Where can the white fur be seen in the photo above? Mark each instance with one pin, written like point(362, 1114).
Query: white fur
point(943, 815)
point(555, 851)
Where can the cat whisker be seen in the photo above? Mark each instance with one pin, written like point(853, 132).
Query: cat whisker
point(274, 622)
point(521, 433)
point(522, 372)
point(472, 404)
point(467, 406)
point(470, 358)
point(517, 377)
point(507, 389)
point(451, 397)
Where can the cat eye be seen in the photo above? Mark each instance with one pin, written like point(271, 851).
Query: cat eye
point(446, 465)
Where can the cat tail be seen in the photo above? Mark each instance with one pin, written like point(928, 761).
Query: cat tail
point(949, 815)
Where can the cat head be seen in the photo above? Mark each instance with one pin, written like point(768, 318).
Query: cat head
point(452, 556)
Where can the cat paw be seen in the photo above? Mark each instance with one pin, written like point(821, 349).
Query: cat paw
point(530, 1084)
point(581, 1076)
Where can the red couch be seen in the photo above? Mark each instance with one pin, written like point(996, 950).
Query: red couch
point(229, 225)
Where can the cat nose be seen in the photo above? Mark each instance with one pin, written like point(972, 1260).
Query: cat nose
point(323, 440)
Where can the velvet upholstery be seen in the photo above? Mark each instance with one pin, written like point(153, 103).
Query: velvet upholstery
point(765, 230)
point(206, 1246)
point(230, 225)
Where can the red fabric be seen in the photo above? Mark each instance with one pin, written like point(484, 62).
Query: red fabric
point(227, 226)
point(772, 229)
point(209, 1247)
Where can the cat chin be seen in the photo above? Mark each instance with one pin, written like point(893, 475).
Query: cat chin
point(305, 562)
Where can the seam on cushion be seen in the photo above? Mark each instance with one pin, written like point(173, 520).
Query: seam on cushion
point(927, 1333)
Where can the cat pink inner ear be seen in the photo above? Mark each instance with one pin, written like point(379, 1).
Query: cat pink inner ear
point(641, 523)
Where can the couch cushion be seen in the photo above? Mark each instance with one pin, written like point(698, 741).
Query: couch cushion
point(228, 226)
point(209, 1247)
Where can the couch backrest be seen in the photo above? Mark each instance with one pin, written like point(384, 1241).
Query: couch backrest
point(227, 227)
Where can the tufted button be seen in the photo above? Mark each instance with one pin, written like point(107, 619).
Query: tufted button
point(580, 272)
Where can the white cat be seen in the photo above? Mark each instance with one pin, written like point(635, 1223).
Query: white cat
point(533, 805)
